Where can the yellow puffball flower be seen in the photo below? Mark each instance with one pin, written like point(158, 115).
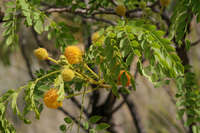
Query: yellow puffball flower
point(41, 53)
point(120, 10)
point(73, 54)
point(50, 99)
point(164, 3)
point(67, 74)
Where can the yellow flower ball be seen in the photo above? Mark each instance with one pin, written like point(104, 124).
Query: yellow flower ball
point(50, 99)
point(73, 54)
point(67, 74)
point(165, 3)
point(120, 10)
point(41, 53)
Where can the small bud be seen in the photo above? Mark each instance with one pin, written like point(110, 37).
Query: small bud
point(41, 53)
point(67, 74)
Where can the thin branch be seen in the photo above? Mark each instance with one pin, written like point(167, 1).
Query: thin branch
point(195, 43)
point(1, 16)
point(77, 11)
point(28, 65)
point(35, 35)
point(134, 114)
point(118, 107)
point(100, 19)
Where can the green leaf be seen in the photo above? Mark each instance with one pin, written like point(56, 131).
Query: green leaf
point(9, 40)
point(133, 83)
point(39, 26)
point(102, 126)
point(123, 79)
point(86, 125)
point(14, 102)
point(187, 45)
point(68, 120)
point(94, 119)
point(63, 127)
point(92, 131)
point(115, 91)
point(135, 43)
point(43, 88)
point(123, 42)
point(137, 52)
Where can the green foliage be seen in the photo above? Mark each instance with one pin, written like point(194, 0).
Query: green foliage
point(130, 39)
point(136, 38)
point(189, 98)
point(90, 125)
point(182, 16)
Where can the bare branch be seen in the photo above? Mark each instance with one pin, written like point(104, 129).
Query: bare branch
point(134, 114)
point(1, 16)
point(118, 107)
point(77, 11)
point(195, 43)
point(28, 65)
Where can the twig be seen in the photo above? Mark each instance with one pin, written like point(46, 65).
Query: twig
point(1, 16)
point(35, 35)
point(28, 65)
point(134, 114)
point(195, 43)
point(118, 107)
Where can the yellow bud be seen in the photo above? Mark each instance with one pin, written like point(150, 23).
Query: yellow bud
point(50, 99)
point(67, 74)
point(120, 10)
point(164, 3)
point(41, 53)
point(95, 36)
point(73, 54)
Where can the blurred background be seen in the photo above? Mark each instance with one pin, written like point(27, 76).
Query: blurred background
point(154, 108)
